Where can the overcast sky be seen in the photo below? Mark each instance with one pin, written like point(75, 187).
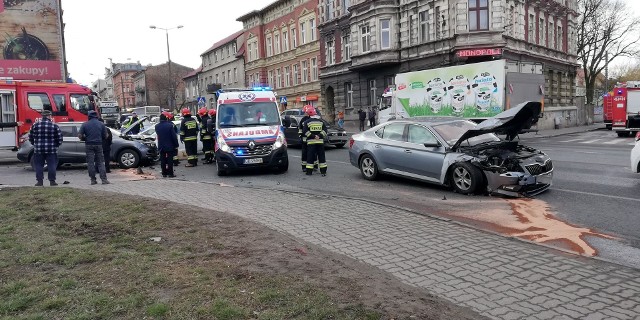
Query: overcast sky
point(97, 30)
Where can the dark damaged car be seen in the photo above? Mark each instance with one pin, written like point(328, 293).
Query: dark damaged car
point(455, 152)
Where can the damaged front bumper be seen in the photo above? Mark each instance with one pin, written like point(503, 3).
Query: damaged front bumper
point(518, 184)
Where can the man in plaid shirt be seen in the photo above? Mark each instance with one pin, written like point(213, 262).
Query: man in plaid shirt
point(46, 137)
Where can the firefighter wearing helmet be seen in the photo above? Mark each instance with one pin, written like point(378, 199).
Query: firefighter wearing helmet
point(315, 131)
point(205, 136)
point(189, 136)
point(303, 139)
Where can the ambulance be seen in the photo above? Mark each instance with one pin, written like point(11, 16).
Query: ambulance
point(249, 132)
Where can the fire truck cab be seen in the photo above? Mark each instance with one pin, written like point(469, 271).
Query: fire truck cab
point(626, 108)
point(24, 101)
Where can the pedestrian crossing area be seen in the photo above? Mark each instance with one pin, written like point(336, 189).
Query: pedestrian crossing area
point(597, 137)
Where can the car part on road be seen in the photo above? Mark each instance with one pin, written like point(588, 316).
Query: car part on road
point(368, 168)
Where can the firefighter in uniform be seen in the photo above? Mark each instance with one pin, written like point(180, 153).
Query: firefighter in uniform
point(211, 129)
point(189, 136)
point(170, 117)
point(315, 130)
point(303, 139)
point(205, 136)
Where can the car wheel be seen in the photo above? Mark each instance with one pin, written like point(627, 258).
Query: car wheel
point(368, 168)
point(609, 127)
point(340, 145)
point(622, 133)
point(221, 172)
point(128, 158)
point(466, 178)
point(283, 168)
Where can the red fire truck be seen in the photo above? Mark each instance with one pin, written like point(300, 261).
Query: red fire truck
point(626, 109)
point(24, 101)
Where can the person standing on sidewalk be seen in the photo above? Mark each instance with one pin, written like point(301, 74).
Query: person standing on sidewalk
point(189, 136)
point(167, 144)
point(372, 117)
point(93, 133)
point(170, 117)
point(362, 116)
point(46, 137)
point(341, 119)
point(106, 150)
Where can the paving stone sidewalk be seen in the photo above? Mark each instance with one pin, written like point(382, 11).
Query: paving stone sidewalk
point(499, 277)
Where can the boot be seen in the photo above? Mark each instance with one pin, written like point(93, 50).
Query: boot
point(39, 183)
point(53, 183)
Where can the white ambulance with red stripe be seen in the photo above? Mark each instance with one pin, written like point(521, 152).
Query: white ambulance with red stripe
point(249, 132)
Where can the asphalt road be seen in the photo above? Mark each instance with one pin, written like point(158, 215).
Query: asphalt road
point(595, 196)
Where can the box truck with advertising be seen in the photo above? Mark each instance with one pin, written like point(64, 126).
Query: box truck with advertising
point(474, 91)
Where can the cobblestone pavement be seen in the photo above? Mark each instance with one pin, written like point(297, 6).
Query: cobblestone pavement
point(499, 277)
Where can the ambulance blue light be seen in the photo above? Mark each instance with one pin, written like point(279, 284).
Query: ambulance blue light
point(239, 152)
point(261, 88)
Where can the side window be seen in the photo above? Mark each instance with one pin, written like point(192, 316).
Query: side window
point(394, 132)
point(60, 102)
point(68, 131)
point(81, 102)
point(294, 122)
point(420, 135)
point(380, 132)
point(39, 101)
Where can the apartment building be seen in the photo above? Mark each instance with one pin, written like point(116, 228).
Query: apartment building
point(282, 51)
point(121, 75)
point(160, 85)
point(191, 89)
point(222, 67)
point(365, 43)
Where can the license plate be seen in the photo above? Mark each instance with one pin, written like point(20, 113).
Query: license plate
point(253, 161)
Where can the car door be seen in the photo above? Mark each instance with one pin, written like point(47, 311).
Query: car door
point(72, 149)
point(421, 160)
point(291, 132)
point(388, 149)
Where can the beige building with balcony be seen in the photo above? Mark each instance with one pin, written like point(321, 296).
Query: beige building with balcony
point(222, 67)
point(282, 51)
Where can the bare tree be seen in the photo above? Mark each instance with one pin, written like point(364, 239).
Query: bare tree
point(607, 29)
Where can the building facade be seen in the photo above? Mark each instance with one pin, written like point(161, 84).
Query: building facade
point(222, 67)
point(281, 50)
point(155, 85)
point(365, 43)
point(123, 88)
point(192, 89)
point(139, 85)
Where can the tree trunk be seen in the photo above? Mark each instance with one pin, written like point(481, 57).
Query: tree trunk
point(590, 86)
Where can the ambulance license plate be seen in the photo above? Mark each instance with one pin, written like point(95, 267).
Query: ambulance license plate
point(253, 161)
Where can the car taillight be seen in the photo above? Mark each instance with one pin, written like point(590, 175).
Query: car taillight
point(350, 143)
point(638, 136)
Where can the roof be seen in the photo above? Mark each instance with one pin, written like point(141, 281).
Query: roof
point(224, 41)
point(193, 73)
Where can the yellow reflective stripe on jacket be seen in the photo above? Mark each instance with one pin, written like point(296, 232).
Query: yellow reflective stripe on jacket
point(315, 126)
point(315, 141)
point(190, 138)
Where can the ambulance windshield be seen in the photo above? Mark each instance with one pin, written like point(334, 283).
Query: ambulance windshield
point(248, 114)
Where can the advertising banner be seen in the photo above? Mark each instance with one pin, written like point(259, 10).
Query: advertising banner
point(470, 91)
point(31, 40)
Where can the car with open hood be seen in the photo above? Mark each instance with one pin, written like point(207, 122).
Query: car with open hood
point(459, 153)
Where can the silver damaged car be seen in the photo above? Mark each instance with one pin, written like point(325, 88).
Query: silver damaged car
point(455, 152)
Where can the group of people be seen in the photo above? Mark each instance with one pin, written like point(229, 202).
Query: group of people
point(167, 134)
point(363, 116)
point(46, 138)
point(312, 131)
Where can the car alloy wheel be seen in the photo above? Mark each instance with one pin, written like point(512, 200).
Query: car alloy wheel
point(466, 178)
point(368, 168)
point(128, 159)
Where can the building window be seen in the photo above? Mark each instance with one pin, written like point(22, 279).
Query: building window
point(541, 36)
point(224, 78)
point(215, 57)
point(258, 79)
point(372, 92)
point(512, 21)
point(287, 76)
point(328, 10)
point(348, 95)
point(255, 50)
point(389, 81)
point(424, 26)
point(385, 33)
point(276, 40)
point(294, 40)
point(228, 51)
point(303, 33)
point(552, 37)
point(250, 55)
point(251, 80)
point(559, 40)
point(437, 19)
point(314, 69)
point(229, 76)
point(295, 75)
point(346, 48)
point(312, 27)
point(285, 40)
point(532, 21)
point(222, 54)
point(278, 79)
point(217, 78)
point(269, 47)
point(331, 50)
point(345, 6)
point(305, 71)
point(365, 37)
point(270, 80)
point(478, 15)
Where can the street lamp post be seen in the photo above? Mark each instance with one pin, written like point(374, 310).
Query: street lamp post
point(171, 82)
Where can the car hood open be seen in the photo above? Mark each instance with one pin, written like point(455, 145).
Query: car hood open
point(140, 120)
point(510, 122)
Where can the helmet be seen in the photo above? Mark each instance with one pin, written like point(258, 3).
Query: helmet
point(202, 111)
point(185, 111)
point(164, 115)
point(309, 109)
point(169, 116)
point(212, 112)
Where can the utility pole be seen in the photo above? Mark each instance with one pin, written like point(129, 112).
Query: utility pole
point(171, 101)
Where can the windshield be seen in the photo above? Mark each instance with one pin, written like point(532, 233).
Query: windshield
point(247, 114)
point(108, 110)
point(81, 103)
point(452, 131)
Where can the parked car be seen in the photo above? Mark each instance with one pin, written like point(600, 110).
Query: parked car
point(126, 151)
point(457, 152)
point(296, 112)
point(149, 133)
point(336, 136)
point(635, 155)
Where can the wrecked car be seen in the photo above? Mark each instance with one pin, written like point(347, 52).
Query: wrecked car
point(454, 152)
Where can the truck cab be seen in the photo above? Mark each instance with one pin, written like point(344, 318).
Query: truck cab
point(249, 132)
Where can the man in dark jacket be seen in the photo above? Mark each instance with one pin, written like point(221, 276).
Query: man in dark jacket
point(106, 150)
point(93, 133)
point(46, 137)
point(167, 144)
point(362, 116)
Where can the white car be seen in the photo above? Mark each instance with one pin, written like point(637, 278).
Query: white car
point(150, 133)
point(635, 155)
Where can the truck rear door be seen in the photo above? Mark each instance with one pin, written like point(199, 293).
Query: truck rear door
point(8, 136)
point(619, 114)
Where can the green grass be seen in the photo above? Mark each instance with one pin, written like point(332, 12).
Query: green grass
point(66, 254)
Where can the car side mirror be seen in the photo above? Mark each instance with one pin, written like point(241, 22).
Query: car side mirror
point(432, 144)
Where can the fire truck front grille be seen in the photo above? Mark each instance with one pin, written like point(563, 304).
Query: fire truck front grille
point(536, 169)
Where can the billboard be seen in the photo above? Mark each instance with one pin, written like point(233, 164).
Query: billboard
point(470, 91)
point(31, 40)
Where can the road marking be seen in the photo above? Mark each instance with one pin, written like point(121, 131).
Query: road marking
point(597, 194)
point(572, 140)
point(591, 141)
point(614, 141)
